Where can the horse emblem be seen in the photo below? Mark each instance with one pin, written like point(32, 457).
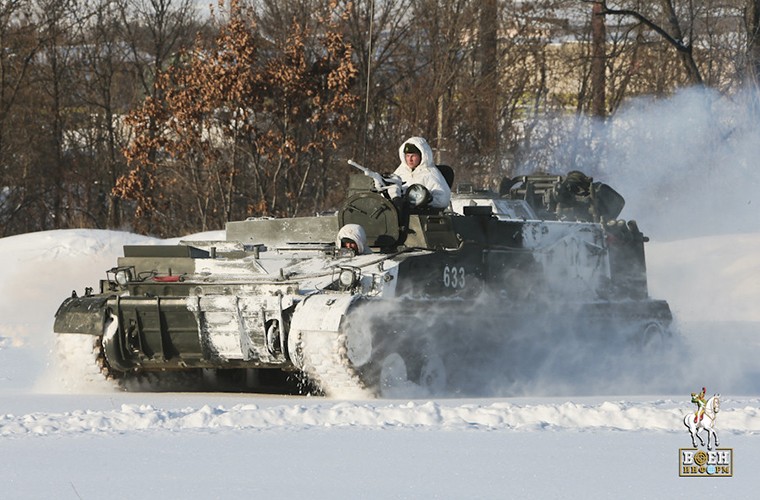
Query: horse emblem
point(704, 418)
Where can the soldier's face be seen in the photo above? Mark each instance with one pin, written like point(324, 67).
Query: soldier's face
point(350, 245)
point(412, 160)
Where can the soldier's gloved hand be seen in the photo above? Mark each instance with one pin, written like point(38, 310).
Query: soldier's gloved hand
point(394, 191)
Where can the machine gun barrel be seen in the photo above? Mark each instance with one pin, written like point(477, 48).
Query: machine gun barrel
point(381, 183)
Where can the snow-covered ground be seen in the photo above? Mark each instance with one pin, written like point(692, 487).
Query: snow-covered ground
point(93, 442)
point(560, 439)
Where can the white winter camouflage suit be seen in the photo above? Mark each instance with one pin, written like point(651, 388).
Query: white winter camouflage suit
point(426, 173)
point(356, 233)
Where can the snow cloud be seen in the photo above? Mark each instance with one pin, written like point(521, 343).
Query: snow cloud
point(687, 165)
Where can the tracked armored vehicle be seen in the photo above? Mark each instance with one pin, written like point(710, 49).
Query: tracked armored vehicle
point(428, 303)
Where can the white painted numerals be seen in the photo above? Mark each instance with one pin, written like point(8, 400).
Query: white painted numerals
point(453, 277)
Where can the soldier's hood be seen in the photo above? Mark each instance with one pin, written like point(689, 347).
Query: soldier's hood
point(354, 232)
point(423, 146)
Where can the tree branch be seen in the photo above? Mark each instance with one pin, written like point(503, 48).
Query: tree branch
point(678, 44)
point(685, 49)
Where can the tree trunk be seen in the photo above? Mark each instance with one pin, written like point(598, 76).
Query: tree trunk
point(684, 49)
point(752, 14)
point(674, 37)
point(598, 62)
point(488, 57)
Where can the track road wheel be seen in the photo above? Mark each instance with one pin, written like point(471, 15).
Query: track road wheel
point(358, 345)
point(652, 335)
point(393, 371)
point(394, 379)
point(393, 376)
point(433, 375)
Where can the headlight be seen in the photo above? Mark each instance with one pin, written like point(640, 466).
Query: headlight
point(418, 195)
point(347, 278)
point(122, 277)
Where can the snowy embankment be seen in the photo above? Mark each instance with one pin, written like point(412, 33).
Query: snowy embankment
point(662, 415)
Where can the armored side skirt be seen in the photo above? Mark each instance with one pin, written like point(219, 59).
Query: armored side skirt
point(176, 333)
point(482, 346)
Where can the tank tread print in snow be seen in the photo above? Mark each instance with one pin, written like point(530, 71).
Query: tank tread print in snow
point(383, 297)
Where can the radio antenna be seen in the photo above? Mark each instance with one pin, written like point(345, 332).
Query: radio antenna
point(369, 77)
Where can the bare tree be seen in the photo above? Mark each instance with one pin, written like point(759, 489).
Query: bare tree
point(54, 80)
point(752, 23)
point(155, 31)
point(106, 90)
point(678, 33)
point(439, 79)
point(598, 62)
point(20, 46)
point(379, 31)
point(488, 57)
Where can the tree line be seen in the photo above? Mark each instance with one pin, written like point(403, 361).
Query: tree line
point(159, 117)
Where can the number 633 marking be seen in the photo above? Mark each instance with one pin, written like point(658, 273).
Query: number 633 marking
point(453, 277)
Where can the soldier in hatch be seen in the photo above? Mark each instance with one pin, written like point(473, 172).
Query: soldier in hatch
point(353, 237)
point(417, 167)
